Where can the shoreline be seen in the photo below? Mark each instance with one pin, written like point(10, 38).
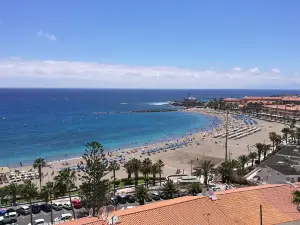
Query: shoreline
point(198, 146)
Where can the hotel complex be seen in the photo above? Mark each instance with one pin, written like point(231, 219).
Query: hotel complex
point(269, 106)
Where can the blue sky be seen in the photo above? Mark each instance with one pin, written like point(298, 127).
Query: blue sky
point(146, 44)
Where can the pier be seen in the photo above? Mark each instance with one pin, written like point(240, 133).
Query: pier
point(139, 111)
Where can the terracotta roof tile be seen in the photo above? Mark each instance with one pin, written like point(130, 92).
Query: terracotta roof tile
point(232, 207)
point(86, 221)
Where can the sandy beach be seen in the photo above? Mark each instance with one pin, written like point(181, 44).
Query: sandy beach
point(202, 145)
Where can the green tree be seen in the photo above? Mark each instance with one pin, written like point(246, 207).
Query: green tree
point(65, 182)
point(114, 166)
point(13, 191)
point(272, 137)
point(29, 193)
point(154, 170)
point(195, 188)
point(243, 159)
point(285, 132)
point(278, 141)
point(39, 164)
point(265, 150)
point(226, 170)
point(94, 189)
point(136, 168)
point(3, 194)
point(296, 198)
point(146, 168)
point(160, 165)
point(252, 156)
point(141, 193)
point(128, 168)
point(169, 189)
point(204, 169)
point(47, 194)
point(259, 147)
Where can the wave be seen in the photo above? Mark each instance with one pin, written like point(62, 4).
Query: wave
point(158, 103)
point(124, 103)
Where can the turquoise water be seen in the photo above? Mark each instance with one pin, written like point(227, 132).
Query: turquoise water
point(56, 124)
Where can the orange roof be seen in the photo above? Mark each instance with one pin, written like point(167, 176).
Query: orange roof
point(232, 207)
point(262, 98)
point(86, 221)
point(231, 100)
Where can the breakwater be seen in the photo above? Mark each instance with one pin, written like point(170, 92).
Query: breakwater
point(139, 111)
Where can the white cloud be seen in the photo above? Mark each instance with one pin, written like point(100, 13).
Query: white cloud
point(254, 70)
point(48, 73)
point(237, 69)
point(275, 70)
point(46, 35)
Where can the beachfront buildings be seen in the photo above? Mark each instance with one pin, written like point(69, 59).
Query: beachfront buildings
point(280, 107)
point(281, 168)
point(247, 206)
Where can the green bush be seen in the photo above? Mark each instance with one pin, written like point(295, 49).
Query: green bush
point(117, 182)
point(129, 182)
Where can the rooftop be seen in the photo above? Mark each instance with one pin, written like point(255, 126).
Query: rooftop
point(232, 207)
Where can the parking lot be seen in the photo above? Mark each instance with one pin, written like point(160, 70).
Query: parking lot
point(25, 220)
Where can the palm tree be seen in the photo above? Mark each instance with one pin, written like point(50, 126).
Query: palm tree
point(39, 164)
point(195, 188)
point(3, 193)
point(29, 193)
point(127, 166)
point(136, 167)
point(141, 194)
point(204, 169)
point(296, 198)
point(160, 165)
point(278, 141)
point(154, 170)
point(13, 191)
point(285, 132)
point(64, 182)
point(243, 159)
point(47, 194)
point(272, 136)
point(260, 148)
point(169, 189)
point(114, 166)
point(252, 156)
point(146, 169)
point(226, 170)
point(265, 150)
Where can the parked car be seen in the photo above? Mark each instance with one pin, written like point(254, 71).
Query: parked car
point(82, 214)
point(114, 200)
point(155, 196)
point(38, 221)
point(10, 210)
point(130, 198)
point(36, 208)
point(121, 199)
point(56, 206)
point(67, 206)
point(63, 218)
point(2, 212)
point(77, 203)
point(23, 210)
point(46, 207)
point(9, 218)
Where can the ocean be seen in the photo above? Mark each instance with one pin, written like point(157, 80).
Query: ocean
point(57, 123)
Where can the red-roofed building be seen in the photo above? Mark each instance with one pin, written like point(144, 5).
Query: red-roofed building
point(232, 207)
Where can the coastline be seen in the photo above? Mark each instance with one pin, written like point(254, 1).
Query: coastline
point(153, 141)
point(202, 146)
